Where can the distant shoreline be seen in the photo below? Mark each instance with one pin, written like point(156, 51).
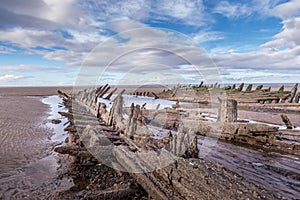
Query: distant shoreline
point(52, 90)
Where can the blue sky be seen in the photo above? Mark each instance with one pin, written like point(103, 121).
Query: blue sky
point(54, 42)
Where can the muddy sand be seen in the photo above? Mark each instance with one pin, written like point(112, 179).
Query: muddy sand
point(27, 159)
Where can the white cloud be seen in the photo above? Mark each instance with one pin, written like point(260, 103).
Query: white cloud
point(263, 8)
point(10, 77)
point(46, 13)
point(277, 66)
point(231, 10)
point(70, 58)
point(28, 68)
point(288, 9)
point(185, 11)
point(106, 10)
point(207, 36)
point(27, 38)
point(180, 9)
point(278, 60)
point(289, 37)
point(31, 38)
point(34, 22)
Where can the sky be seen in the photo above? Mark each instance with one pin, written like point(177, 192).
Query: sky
point(54, 42)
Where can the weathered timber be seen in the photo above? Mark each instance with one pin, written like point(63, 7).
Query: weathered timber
point(281, 89)
point(155, 96)
point(191, 178)
point(201, 84)
point(293, 93)
point(63, 95)
point(249, 88)
point(110, 94)
point(98, 90)
point(227, 87)
point(104, 92)
point(297, 97)
point(80, 152)
point(116, 111)
point(184, 143)
point(286, 121)
point(185, 178)
point(102, 88)
point(227, 111)
point(240, 88)
point(259, 87)
point(268, 99)
point(66, 114)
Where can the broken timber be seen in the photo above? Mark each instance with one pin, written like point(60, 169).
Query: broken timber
point(184, 178)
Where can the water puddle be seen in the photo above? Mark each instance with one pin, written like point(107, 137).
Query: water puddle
point(58, 129)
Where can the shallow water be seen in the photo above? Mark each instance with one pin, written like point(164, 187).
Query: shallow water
point(58, 129)
point(151, 103)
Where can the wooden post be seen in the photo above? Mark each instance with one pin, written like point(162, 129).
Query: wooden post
point(286, 121)
point(227, 111)
point(233, 87)
point(259, 87)
point(110, 94)
point(281, 89)
point(297, 98)
point(293, 93)
point(241, 87)
point(155, 96)
point(116, 111)
point(201, 84)
point(249, 88)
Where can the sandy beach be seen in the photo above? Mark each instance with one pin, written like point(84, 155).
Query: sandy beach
point(26, 152)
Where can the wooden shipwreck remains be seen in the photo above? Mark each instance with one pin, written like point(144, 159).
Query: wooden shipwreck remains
point(167, 167)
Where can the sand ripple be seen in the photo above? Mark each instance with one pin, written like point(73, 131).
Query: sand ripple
point(23, 138)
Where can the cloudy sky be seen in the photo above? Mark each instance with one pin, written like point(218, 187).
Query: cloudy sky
point(54, 42)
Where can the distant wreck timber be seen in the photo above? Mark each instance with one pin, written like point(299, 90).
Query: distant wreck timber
point(161, 148)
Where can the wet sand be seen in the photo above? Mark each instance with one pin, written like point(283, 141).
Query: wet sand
point(32, 91)
point(28, 166)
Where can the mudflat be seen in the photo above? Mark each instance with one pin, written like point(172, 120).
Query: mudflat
point(26, 148)
point(32, 91)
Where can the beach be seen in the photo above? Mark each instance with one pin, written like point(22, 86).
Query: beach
point(30, 169)
point(27, 160)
